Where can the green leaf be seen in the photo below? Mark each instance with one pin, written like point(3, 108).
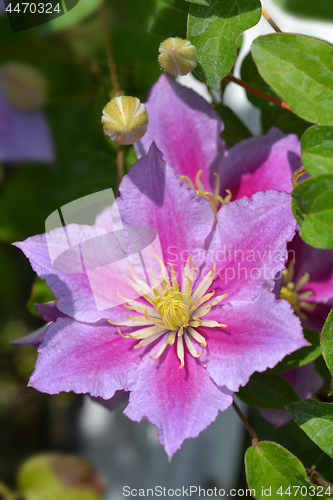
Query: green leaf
point(6, 494)
point(321, 9)
point(81, 11)
point(55, 476)
point(44, 188)
point(297, 213)
point(316, 420)
point(317, 150)
point(214, 31)
point(267, 391)
point(199, 2)
point(250, 74)
point(285, 120)
point(314, 198)
point(271, 469)
point(302, 356)
point(300, 69)
point(234, 129)
point(170, 19)
point(326, 342)
point(40, 293)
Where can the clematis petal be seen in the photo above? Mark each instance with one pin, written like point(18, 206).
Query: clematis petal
point(24, 135)
point(34, 339)
point(83, 358)
point(153, 195)
point(185, 128)
point(181, 403)
point(248, 243)
point(49, 311)
point(73, 289)
point(260, 333)
point(114, 402)
point(306, 381)
point(318, 263)
point(260, 163)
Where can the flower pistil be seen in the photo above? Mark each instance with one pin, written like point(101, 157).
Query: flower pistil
point(173, 313)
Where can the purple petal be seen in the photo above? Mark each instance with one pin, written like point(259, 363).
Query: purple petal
point(83, 358)
point(24, 135)
point(153, 195)
point(317, 317)
point(260, 163)
point(114, 402)
point(278, 418)
point(185, 128)
point(34, 339)
point(181, 403)
point(318, 263)
point(259, 335)
point(73, 289)
point(249, 243)
point(49, 311)
point(306, 381)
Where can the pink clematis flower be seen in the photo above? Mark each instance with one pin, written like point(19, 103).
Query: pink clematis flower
point(195, 336)
point(193, 147)
point(187, 131)
point(307, 284)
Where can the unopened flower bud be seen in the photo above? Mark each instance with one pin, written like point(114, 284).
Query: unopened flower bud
point(125, 120)
point(23, 86)
point(177, 56)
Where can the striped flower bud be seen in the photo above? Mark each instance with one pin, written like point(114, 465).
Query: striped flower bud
point(23, 86)
point(125, 120)
point(177, 56)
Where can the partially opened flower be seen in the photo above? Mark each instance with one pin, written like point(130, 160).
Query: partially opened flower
point(307, 284)
point(201, 325)
point(24, 132)
point(187, 131)
point(305, 381)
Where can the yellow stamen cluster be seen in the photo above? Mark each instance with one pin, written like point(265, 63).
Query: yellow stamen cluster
point(173, 312)
point(214, 198)
point(290, 291)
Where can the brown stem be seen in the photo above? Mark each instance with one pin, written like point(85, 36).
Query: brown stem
point(270, 20)
point(257, 92)
point(108, 49)
point(300, 171)
point(120, 167)
point(246, 423)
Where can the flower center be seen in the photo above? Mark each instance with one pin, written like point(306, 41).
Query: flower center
point(214, 198)
point(171, 312)
point(290, 291)
point(172, 308)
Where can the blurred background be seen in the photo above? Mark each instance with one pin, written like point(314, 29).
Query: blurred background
point(53, 151)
